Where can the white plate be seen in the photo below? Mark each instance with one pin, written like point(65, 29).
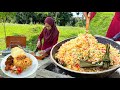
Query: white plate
point(26, 73)
point(118, 42)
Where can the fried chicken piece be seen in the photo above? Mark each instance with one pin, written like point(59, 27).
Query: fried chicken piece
point(9, 60)
point(9, 63)
point(7, 68)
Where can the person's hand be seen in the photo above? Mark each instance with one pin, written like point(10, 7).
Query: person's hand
point(38, 43)
point(42, 55)
point(42, 52)
point(32, 53)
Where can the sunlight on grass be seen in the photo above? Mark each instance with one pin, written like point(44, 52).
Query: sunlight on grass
point(32, 32)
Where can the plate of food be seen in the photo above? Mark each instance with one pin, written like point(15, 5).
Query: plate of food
point(19, 64)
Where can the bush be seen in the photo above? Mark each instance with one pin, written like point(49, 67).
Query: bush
point(80, 23)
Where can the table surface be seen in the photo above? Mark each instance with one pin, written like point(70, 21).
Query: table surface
point(43, 73)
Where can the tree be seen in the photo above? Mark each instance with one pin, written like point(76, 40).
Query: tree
point(24, 17)
point(72, 21)
point(56, 15)
point(61, 18)
point(27, 17)
point(4, 16)
point(40, 16)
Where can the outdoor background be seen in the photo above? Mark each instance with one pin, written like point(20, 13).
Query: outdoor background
point(30, 24)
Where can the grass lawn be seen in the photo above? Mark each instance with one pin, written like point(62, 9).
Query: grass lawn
point(98, 26)
point(32, 32)
point(100, 23)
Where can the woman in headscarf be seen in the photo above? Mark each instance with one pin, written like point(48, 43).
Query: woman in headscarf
point(50, 36)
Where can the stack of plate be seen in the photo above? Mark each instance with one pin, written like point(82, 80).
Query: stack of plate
point(6, 52)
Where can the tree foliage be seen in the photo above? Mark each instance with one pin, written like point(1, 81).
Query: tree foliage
point(61, 18)
point(6, 16)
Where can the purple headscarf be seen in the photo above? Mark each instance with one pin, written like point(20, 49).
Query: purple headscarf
point(50, 34)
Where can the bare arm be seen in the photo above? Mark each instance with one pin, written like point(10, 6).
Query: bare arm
point(86, 14)
point(39, 42)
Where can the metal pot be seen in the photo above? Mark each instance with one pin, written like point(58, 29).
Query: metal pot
point(74, 73)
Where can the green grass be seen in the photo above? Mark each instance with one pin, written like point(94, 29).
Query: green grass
point(32, 32)
point(69, 31)
point(19, 29)
point(100, 23)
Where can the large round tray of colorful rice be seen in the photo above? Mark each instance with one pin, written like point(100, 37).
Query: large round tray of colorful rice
point(69, 53)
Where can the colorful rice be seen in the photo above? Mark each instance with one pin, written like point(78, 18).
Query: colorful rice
point(80, 48)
